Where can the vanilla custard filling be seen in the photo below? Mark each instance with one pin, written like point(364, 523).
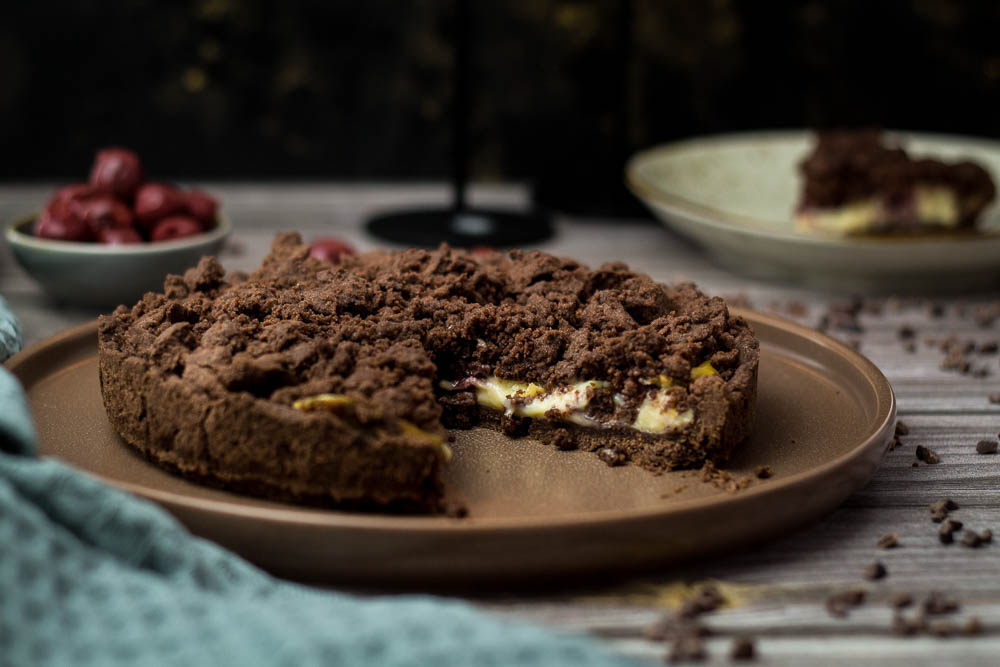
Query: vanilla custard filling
point(656, 413)
point(934, 205)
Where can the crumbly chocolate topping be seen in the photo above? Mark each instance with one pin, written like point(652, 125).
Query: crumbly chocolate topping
point(848, 165)
point(384, 328)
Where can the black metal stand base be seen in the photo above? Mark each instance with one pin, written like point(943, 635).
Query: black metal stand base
point(463, 228)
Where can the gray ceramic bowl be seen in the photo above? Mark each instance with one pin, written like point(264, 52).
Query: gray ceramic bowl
point(92, 274)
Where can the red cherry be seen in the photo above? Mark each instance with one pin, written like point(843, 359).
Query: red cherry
point(155, 201)
point(330, 249)
point(117, 171)
point(75, 192)
point(202, 207)
point(49, 225)
point(103, 213)
point(175, 227)
point(118, 236)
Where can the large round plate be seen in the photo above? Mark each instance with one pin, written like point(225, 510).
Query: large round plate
point(824, 420)
point(734, 195)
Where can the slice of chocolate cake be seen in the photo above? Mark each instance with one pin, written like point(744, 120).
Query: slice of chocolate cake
point(862, 182)
point(333, 384)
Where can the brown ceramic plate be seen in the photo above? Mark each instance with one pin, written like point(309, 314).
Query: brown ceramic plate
point(824, 421)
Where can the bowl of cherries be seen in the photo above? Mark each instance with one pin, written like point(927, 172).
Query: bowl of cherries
point(110, 240)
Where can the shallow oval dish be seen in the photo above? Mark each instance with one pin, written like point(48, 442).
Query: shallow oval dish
point(104, 276)
point(734, 195)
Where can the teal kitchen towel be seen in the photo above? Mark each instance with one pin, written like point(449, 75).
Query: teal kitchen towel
point(92, 576)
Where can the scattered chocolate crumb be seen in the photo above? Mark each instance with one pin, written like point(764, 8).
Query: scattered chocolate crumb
point(947, 529)
point(940, 509)
point(687, 647)
point(890, 541)
point(981, 372)
point(612, 456)
point(900, 600)
point(839, 603)
point(936, 310)
point(906, 332)
point(896, 444)
point(902, 428)
point(742, 649)
point(763, 472)
point(723, 479)
point(972, 626)
point(938, 603)
point(906, 627)
point(875, 571)
point(986, 447)
point(914, 465)
point(563, 440)
point(514, 427)
point(989, 347)
point(994, 398)
point(942, 628)
point(927, 455)
point(986, 536)
point(971, 539)
point(707, 599)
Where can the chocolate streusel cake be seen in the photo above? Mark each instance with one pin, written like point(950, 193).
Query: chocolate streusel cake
point(862, 182)
point(334, 384)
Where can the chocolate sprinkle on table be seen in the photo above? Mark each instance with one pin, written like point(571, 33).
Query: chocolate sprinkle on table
point(986, 447)
point(938, 603)
point(743, 649)
point(927, 455)
point(875, 570)
point(838, 604)
point(900, 600)
point(890, 541)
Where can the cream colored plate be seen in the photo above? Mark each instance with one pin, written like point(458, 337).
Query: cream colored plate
point(734, 195)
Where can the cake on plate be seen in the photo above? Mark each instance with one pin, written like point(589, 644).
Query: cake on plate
point(858, 182)
point(334, 384)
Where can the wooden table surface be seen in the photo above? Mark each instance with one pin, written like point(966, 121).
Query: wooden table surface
point(779, 589)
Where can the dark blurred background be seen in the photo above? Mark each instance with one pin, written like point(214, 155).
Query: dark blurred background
point(564, 89)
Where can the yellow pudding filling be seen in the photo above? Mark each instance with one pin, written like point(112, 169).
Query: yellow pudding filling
point(335, 402)
point(656, 413)
point(935, 205)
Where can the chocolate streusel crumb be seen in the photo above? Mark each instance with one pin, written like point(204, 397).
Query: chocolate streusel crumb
point(902, 428)
point(875, 571)
point(743, 648)
point(900, 600)
point(971, 539)
point(839, 603)
point(937, 603)
point(947, 530)
point(986, 447)
point(972, 626)
point(563, 440)
point(763, 472)
point(612, 456)
point(927, 455)
point(890, 541)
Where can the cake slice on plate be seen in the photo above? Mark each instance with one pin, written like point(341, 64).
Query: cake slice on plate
point(862, 182)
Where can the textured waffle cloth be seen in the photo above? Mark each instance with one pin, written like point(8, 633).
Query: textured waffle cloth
point(93, 576)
